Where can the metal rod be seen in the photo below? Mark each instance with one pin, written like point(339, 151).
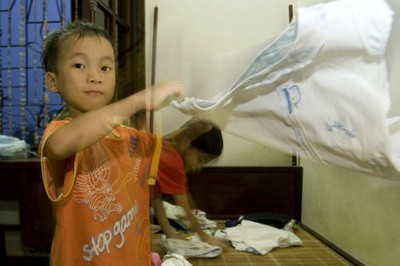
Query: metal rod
point(153, 63)
point(295, 159)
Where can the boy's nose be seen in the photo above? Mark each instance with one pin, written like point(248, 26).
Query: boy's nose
point(95, 80)
point(94, 77)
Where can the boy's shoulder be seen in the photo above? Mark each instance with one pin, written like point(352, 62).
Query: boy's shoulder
point(56, 123)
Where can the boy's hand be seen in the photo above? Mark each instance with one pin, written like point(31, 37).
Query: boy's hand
point(216, 241)
point(162, 93)
point(177, 235)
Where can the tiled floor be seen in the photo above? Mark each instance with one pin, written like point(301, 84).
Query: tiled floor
point(313, 252)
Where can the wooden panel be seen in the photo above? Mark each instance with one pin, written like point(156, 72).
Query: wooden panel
point(21, 180)
point(222, 192)
point(226, 192)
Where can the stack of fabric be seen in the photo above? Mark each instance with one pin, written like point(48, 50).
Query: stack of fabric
point(256, 233)
point(258, 238)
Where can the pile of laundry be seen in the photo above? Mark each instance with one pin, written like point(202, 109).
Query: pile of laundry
point(193, 247)
point(177, 216)
point(258, 238)
point(257, 233)
point(169, 260)
point(177, 250)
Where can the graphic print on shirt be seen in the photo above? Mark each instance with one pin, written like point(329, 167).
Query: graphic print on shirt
point(132, 145)
point(112, 237)
point(93, 188)
point(132, 151)
point(136, 173)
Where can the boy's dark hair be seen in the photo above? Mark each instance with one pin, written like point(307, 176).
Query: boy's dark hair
point(210, 142)
point(55, 37)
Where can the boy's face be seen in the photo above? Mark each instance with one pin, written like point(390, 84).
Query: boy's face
point(85, 76)
point(195, 159)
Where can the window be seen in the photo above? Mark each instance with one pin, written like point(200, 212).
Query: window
point(124, 19)
point(25, 105)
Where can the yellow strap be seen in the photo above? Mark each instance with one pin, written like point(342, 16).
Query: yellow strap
point(154, 164)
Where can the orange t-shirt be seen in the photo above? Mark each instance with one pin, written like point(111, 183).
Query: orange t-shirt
point(102, 212)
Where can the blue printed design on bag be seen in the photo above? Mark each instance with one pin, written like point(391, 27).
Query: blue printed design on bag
point(292, 95)
point(339, 126)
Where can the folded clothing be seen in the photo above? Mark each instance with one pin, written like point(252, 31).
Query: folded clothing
point(175, 260)
point(258, 238)
point(193, 248)
point(273, 219)
point(174, 212)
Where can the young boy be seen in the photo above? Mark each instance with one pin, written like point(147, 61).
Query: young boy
point(95, 170)
point(185, 150)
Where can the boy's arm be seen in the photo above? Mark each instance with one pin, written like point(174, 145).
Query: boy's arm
point(159, 212)
point(91, 126)
point(182, 200)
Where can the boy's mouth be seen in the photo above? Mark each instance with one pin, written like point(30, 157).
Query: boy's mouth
point(94, 92)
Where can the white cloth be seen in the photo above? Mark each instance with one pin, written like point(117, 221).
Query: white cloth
point(175, 260)
point(173, 211)
point(178, 213)
point(319, 89)
point(258, 238)
point(154, 228)
point(193, 248)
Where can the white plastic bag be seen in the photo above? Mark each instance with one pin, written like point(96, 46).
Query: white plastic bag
point(13, 148)
point(319, 89)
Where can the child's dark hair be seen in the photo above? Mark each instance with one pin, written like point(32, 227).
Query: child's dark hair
point(210, 142)
point(54, 38)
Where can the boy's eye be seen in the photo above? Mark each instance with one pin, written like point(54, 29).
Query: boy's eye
point(79, 66)
point(105, 68)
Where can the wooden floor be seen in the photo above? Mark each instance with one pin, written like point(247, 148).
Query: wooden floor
point(313, 252)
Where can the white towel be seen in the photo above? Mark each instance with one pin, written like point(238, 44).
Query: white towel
point(173, 211)
point(178, 213)
point(258, 238)
point(175, 260)
point(319, 89)
point(193, 248)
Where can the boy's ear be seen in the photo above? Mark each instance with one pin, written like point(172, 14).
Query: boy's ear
point(51, 82)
